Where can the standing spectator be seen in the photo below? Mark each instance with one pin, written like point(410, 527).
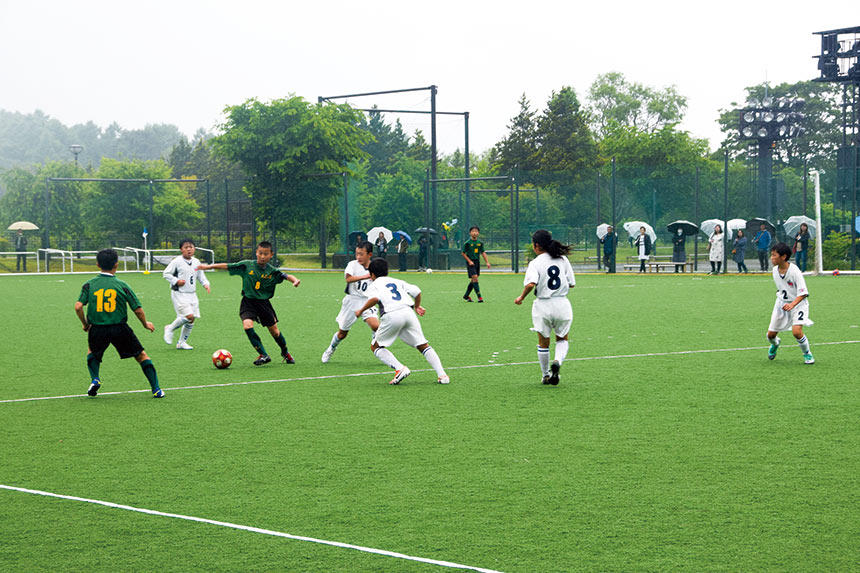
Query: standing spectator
point(422, 252)
point(801, 246)
point(402, 248)
point(20, 247)
point(739, 251)
point(643, 246)
point(715, 254)
point(762, 245)
point(610, 245)
point(679, 253)
point(381, 246)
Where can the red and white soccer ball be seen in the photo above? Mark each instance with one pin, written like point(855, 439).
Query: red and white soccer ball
point(835, 272)
point(222, 359)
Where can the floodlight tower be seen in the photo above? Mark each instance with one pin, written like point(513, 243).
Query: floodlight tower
point(767, 121)
point(76, 150)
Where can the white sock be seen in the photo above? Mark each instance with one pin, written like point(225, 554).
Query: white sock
point(804, 345)
point(186, 331)
point(561, 348)
point(179, 322)
point(386, 357)
point(434, 361)
point(334, 341)
point(543, 360)
point(774, 340)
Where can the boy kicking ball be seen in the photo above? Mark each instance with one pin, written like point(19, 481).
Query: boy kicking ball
point(791, 310)
point(400, 302)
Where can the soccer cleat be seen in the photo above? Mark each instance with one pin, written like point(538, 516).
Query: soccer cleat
point(262, 359)
point(184, 346)
point(288, 358)
point(480, 299)
point(168, 334)
point(399, 375)
point(808, 359)
point(771, 352)
point(467, 298)
point(545, 379)
point(158, 393)
point(553, 373)
point(443, 380)
point(327, 354)
point(94, 387)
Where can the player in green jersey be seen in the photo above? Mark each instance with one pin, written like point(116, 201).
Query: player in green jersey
point(472, 251)
point(259, 279)
point(106, 321)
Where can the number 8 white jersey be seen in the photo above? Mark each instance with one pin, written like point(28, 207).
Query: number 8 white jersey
point(791, 285)
point(552, 277)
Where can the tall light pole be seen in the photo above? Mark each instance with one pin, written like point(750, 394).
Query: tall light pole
point(76, 149)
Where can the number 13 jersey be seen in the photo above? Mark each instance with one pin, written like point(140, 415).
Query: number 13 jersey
point(551, 277)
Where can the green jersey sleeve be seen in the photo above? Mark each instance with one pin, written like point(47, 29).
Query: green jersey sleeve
point(237, 268)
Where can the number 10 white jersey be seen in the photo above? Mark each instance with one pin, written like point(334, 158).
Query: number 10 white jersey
point(552, 277)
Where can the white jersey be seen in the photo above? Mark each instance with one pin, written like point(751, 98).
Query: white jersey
point(393, 294)
point(551, 277)
point(357, 288)
point(185, 269)
point(791, 285)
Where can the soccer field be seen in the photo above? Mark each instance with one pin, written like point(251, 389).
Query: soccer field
point(672, 443)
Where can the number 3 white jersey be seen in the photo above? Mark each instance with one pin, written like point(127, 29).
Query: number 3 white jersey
point(181, 268)
point(552, 277)
point(357, 288)
point(393, 294)
point(791, 285)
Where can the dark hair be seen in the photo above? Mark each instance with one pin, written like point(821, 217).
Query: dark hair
point(782, 249)
point(107, 258)
point(378, 267)
point(183, 241)
point(367, 246)
point(544, 240)
point(474, 227)
point(265, 245)
point(720, 227)
point(741, 233)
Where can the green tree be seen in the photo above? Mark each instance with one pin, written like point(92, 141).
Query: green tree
point(614, 101)
point(286, 148)
point(519, 148)
point(565, 142)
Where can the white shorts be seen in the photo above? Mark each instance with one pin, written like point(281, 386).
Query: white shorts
point(783, 320)
point(402, 323)
point(185, 303)
point(346, 317)
point(552, 314)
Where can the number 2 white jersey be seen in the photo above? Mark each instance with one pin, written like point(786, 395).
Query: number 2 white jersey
point(791, 285)
point(552, 277)
point(393, 294)
point(357, 288)
point(181, 268)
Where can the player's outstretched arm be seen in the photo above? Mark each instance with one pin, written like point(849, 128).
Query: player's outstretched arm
point(138, 312)
point(212, 267)
point(370, 302)
point(293, 279)
point(526, 290)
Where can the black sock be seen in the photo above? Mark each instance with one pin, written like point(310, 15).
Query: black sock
point(93, 364)
point(282, 342)
point(469, 289)
point(255, 341)
point(477, 289)
point(149, 372)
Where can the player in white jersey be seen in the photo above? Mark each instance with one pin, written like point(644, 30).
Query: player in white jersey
point(791, 309)
point(551, 277)
point(400, 302)
point(357, 281)
point(183, 275)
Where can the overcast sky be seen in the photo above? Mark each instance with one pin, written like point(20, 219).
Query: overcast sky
point(183, 61)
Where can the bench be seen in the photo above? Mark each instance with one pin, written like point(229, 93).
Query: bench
point(655, 266)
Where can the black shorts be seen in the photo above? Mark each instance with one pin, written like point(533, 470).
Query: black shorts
point(258, 310)
point(120, 335)
point(473, 270)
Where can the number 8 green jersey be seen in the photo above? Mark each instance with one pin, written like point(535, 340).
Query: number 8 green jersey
point(106, 297)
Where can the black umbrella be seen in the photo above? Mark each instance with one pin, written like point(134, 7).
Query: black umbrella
point(426, 231)
point(754, 226)
point(687, 227)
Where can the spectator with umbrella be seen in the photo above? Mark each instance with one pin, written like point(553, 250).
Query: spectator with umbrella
point(799, 227)
point(715, 255)
point(739, 250)
point(20, 248)
point(404, 240)
point(609, 240)
point(680, 230)
point(643, 246)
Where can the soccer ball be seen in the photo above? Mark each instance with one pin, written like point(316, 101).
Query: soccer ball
point(429, 271)
point(835, 272)
point(222, 359)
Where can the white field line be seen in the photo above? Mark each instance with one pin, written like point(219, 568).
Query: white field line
point(249, 528)
point(379, 373)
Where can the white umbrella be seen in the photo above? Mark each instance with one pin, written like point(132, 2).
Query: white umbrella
point(602, 229)
point(373, 234)
point(632, 229)
point(792, 225)
point(707, 227)
point(22, 226)
point(735, 224)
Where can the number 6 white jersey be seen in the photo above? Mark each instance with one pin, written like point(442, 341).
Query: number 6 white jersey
point(791, 285)
point(552, 277)
point(184, 269)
